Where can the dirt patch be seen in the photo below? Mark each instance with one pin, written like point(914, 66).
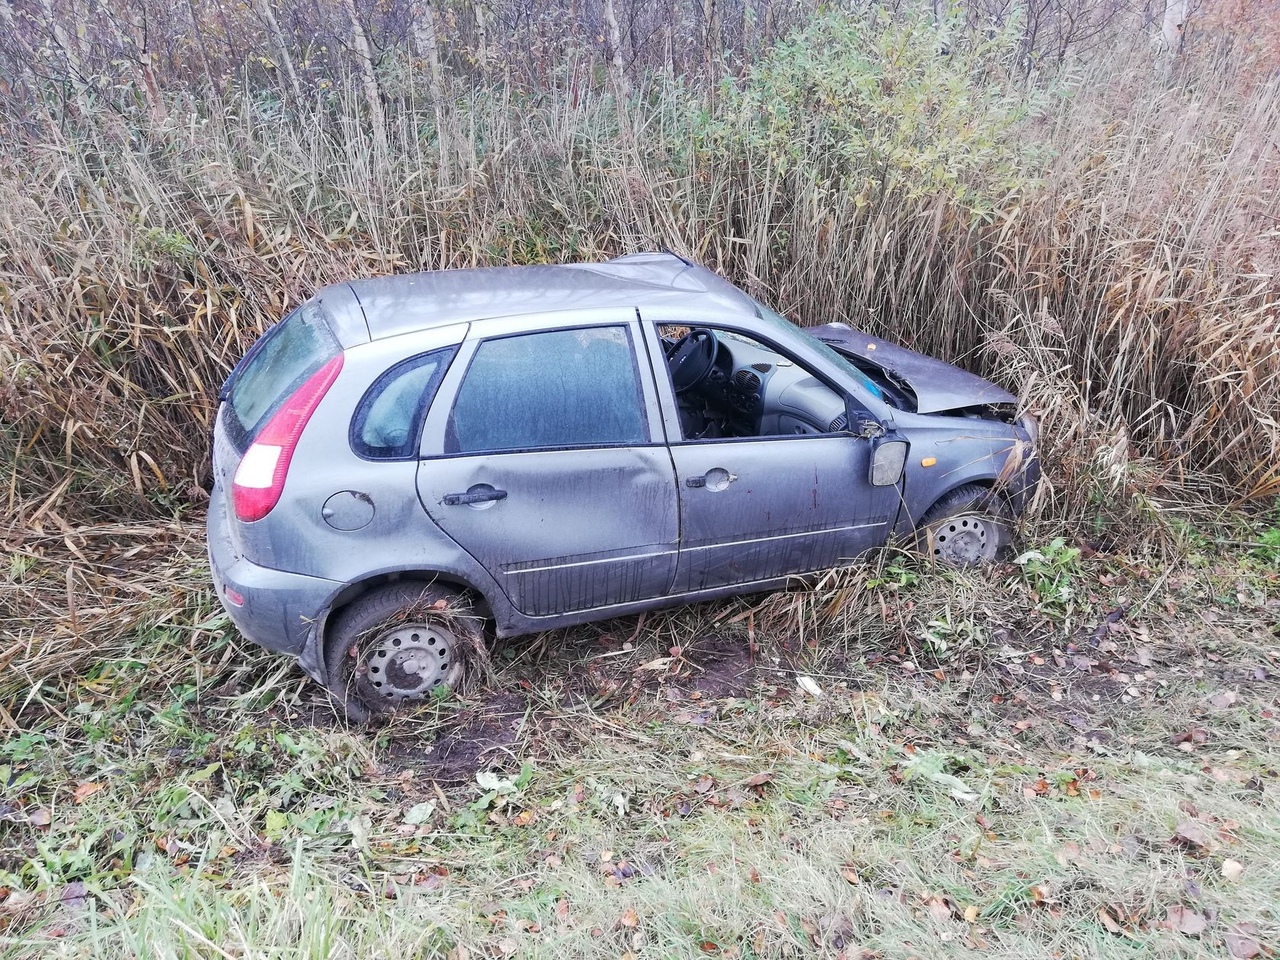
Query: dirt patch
point(479, 738)
point(721, 667)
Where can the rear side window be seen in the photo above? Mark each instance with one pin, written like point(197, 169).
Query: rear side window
point(562, 388)
point(279, 363)
point(388, 421)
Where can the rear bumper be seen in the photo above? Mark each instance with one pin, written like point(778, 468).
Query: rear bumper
point(274, 609)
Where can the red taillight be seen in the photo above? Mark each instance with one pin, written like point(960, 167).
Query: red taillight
point(260, 476)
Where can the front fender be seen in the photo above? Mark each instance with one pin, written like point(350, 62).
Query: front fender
point(1004, 461)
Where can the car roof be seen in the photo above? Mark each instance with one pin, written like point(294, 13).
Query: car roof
point(406, 303)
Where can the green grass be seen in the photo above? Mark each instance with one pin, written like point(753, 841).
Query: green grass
point(1014, 793)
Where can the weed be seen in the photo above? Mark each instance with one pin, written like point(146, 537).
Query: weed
point(1052, 573)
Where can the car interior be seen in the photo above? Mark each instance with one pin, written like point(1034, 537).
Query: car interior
point(729, 385)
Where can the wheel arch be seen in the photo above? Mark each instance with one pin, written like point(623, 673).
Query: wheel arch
point(312, 658)
point(911, 518)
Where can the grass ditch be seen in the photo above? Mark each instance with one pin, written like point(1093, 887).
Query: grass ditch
point(1075, 753)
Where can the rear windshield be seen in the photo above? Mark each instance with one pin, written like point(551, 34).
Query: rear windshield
point(277, 365)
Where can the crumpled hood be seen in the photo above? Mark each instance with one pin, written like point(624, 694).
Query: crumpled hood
point(938, 386)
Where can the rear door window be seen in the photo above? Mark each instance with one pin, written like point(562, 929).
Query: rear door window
point(560, 388)
point(280, 362)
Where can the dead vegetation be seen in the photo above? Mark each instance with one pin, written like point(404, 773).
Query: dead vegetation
point(1073, 754)
point(1105, 241)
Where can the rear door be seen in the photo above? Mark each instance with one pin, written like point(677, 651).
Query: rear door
point(544, 458)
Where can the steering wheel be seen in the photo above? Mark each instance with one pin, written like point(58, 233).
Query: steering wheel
point(691, 358)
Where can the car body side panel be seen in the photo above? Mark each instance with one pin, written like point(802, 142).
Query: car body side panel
point(578, 528)
point(768, 507)
point(295, 537)
point(965, 450)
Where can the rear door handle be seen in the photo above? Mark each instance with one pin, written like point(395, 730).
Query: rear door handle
point(473, 496)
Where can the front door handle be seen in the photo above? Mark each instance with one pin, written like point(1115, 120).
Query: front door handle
point(715, 479)
point(474, 496)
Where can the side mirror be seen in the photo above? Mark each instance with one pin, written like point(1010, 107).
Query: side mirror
point(888, 449)
point(888, 457)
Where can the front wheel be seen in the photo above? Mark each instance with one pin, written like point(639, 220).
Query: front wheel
point(397, 645)
point(969, 526)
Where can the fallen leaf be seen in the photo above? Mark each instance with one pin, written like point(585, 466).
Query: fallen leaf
point(1187, 921)
point(1108, 921)
point(809, 685)
point(629, 919)
point(85, 790)
point(1069, 853)
point(939, 908)
point(758, 780)
point(1191, 834)
point(40, 818)
point(73, 895)
point(971, 914)
point(420, 813)
point(1223, 699)
point(506, 946)
point(1242, 945)
point(1232, 869)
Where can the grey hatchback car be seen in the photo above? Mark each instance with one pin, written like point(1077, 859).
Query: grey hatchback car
point(402, 460)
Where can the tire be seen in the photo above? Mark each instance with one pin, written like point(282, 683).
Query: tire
point(394, 646)
point(967, 527)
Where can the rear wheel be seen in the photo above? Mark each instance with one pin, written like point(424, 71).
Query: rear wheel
point(397, 645)
point(971, 525)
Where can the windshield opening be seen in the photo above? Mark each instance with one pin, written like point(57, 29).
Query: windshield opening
point(773, 317)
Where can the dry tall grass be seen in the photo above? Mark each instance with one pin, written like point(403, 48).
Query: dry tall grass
point(1127, 278)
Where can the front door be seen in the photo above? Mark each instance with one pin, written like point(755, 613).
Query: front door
point(757, 509)
point(547, 471)
point(771, 482)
